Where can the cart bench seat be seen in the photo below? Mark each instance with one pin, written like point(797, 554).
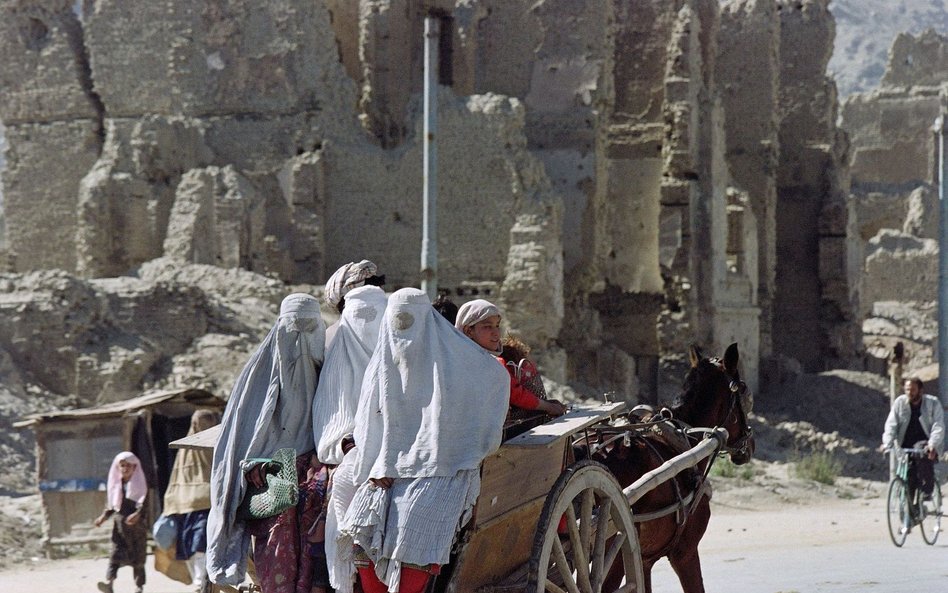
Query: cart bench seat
point(580, 417)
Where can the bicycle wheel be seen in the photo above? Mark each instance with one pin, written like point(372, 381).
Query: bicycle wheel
point(930, 521)
point(898, 512)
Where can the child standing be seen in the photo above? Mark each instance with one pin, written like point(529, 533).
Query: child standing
point(126, 492)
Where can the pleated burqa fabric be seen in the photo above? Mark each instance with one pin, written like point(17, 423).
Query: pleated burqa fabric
point(270, 408)
point(433, 402)
point(340, 381)
point(432, 408)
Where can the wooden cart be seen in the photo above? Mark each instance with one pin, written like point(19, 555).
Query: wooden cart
point(544, 522)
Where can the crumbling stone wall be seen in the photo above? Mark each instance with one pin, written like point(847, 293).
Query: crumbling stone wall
point(816, 268)
point(564, 83)
point(218, 85)
point(478, 202)
point(197, 82)
point(211, 209)
point(917, 61)
point(891, 131)
point(890, 127)
point(391, 65)
point(895, 172)
point(901, 267)
point(709, 234)
point(53, 125)
point(616, 271)
point(126, 198)
point(749, 95)
point(610, 171)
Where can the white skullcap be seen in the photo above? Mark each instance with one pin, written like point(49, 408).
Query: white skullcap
point(475, 311)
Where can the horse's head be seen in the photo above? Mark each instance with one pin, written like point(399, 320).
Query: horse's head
point(715, 396)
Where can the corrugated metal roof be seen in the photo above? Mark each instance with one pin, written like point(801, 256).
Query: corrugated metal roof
point(197, 397)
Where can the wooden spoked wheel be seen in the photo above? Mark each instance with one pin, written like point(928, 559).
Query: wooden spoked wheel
point(584, 531)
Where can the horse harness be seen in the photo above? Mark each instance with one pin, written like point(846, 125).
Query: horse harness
point(662, 423)
point(685, 504)
point(738, 390)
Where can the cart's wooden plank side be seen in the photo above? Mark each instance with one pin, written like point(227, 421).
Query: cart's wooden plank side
point(512, 477)
point(497, 548)
point(526, 466)
point(515, 482)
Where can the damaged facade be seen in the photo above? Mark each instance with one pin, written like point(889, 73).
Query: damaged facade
point(895, 180)
point(617, 174)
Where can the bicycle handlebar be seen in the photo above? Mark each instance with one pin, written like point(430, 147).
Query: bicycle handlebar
point(910, 451)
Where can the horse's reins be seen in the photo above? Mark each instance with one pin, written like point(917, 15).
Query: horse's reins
point(738, 389)
point(685, 505)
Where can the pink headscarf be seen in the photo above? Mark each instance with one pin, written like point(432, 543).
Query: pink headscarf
point(137, 486)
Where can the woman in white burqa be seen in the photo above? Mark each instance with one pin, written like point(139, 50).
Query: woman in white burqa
point(432, 408)
point(270, 408)
point(347, 278)
point(334, 410)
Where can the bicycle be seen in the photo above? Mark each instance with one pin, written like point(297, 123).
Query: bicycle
point(904, 513)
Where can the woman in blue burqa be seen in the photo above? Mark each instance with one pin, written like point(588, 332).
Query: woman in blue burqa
point(270, 408)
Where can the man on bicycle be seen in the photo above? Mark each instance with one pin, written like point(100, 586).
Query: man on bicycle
point(917, 417)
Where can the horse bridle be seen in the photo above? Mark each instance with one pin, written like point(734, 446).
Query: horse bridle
point(737, 389)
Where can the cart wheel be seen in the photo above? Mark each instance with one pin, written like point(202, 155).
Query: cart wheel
point(575, 555)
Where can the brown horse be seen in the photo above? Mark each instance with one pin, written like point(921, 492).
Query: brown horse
point(673, 517)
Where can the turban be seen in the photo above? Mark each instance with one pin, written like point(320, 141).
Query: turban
point(352, 275)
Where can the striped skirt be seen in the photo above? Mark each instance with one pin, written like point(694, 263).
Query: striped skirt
point(413, 522)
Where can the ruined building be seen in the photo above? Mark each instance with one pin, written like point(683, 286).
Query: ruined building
point(894, 179)
point(893, 154)
point(619, 174)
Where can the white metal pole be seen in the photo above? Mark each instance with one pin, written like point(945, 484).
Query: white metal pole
point(429, 240)
point(939, 130)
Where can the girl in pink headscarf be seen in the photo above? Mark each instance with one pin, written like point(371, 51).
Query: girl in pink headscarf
point(126, 491)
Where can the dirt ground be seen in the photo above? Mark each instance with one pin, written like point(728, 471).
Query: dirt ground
point(840, 412)
point(738, 502)
point(747, 513)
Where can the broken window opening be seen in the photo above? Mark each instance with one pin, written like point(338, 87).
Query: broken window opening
point(34, 34)
point(735, 255)
point(445, 49)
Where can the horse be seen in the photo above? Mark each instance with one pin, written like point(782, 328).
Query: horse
point(672, 518)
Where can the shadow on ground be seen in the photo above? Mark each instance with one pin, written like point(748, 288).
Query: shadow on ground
point(840, 412)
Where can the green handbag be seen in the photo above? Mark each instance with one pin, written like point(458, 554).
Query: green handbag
point(281, 491)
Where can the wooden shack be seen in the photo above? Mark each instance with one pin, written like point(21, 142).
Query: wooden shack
point(75, 448)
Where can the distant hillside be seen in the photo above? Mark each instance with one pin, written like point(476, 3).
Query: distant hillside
point(865, 30)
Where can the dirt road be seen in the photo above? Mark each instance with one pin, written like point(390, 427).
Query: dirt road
point(825, 545)
point(834, 547)
point(80, 576)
